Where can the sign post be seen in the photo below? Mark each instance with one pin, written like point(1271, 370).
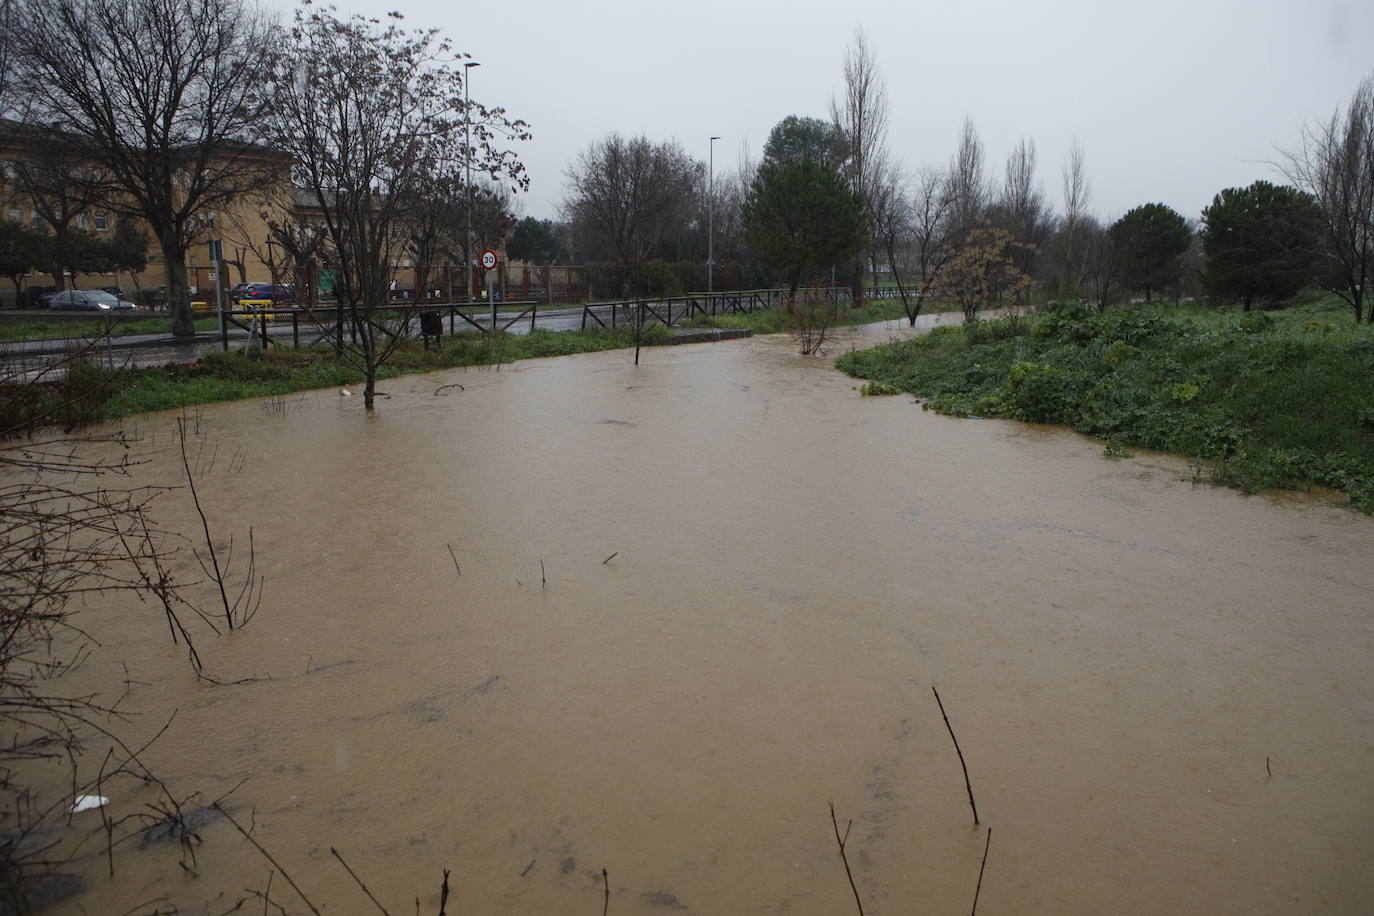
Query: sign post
point(217, 259)
point(489, 262)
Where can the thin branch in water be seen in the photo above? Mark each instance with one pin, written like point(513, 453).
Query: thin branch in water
point(977, 890)
point(443, 894)
point(967, 785)
point(217, 574)
point(610, 558)
point(335, 853)
point(606, 881)
point(455, 560)
point(1266, 767)
point(268, 856)
point(245, 605)
point(841, 840)
point(543, 581)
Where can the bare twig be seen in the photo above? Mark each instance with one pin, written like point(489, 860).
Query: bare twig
point(268, 856)
point(1266, 767)
point(967, 785)
point(977, 890)
point(606, 880)
point(610, 558)
point(242, 609)
point(454, 385)
point(543, 580)
point(841, 840)
point(455, 560)
point(354, 876)
point(443, 894)
point(218, 574)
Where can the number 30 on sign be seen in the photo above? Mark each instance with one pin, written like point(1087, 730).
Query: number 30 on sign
point(488, 260)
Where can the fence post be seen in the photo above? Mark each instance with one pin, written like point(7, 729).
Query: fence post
point(295, 331)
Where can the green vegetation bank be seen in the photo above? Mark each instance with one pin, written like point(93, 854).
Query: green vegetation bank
point(1258, 400)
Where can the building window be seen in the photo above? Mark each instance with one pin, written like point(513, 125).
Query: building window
point(102, 221)
point(35, 220)
point(16, 215)
point(81, 221)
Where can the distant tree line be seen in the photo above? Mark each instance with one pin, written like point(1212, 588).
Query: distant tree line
point(964, 231)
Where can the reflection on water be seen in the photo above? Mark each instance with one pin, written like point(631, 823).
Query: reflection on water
point(794, 566)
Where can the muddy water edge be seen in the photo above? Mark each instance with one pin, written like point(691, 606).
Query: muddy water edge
point(1163, 691)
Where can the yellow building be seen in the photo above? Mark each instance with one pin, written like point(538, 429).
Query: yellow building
point(42, 189)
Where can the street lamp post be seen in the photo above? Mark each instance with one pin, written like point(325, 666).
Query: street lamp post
point(711, 217)
point(467, 181)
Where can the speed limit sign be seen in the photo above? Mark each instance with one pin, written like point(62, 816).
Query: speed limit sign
point(488, 260)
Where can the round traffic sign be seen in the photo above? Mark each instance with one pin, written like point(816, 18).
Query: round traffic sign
point(488, 260)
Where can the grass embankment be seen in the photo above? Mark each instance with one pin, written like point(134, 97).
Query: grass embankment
point(82, 329)
point(89, 392)
point(1282, 399)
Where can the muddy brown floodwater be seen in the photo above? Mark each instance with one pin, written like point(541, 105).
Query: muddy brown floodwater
point(1120, 652)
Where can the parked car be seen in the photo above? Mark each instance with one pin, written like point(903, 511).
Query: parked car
point(278, 293)
point(91, 300)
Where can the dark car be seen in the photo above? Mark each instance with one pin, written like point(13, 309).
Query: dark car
point(276, 292)
point(90, 300)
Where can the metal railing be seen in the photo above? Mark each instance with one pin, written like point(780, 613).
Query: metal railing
point(330, 320)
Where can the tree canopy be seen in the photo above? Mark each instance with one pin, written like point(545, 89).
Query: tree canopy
point(1150, 240)
point(1261, 242)
point(627, 196)
point(802, 214)
point(796, 137)
point(535, 241)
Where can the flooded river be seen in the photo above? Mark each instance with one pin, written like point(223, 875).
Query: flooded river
point(1163, 692)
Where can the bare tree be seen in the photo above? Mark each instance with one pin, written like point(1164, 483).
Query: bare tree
point(435, 227)
point(969, 191)
point(1334, 162)
point(931, 225)
point(1023, 207)
point(1102, 261)
point(1078, 195)
point(6, 55)
point(861, 115)
point(163, 97)
point(626, 197)
point(370, 112)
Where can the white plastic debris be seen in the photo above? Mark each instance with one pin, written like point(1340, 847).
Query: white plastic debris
point(87, 802)
point(344, 392)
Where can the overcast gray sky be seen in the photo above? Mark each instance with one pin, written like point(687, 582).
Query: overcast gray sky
point(1172, 100)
